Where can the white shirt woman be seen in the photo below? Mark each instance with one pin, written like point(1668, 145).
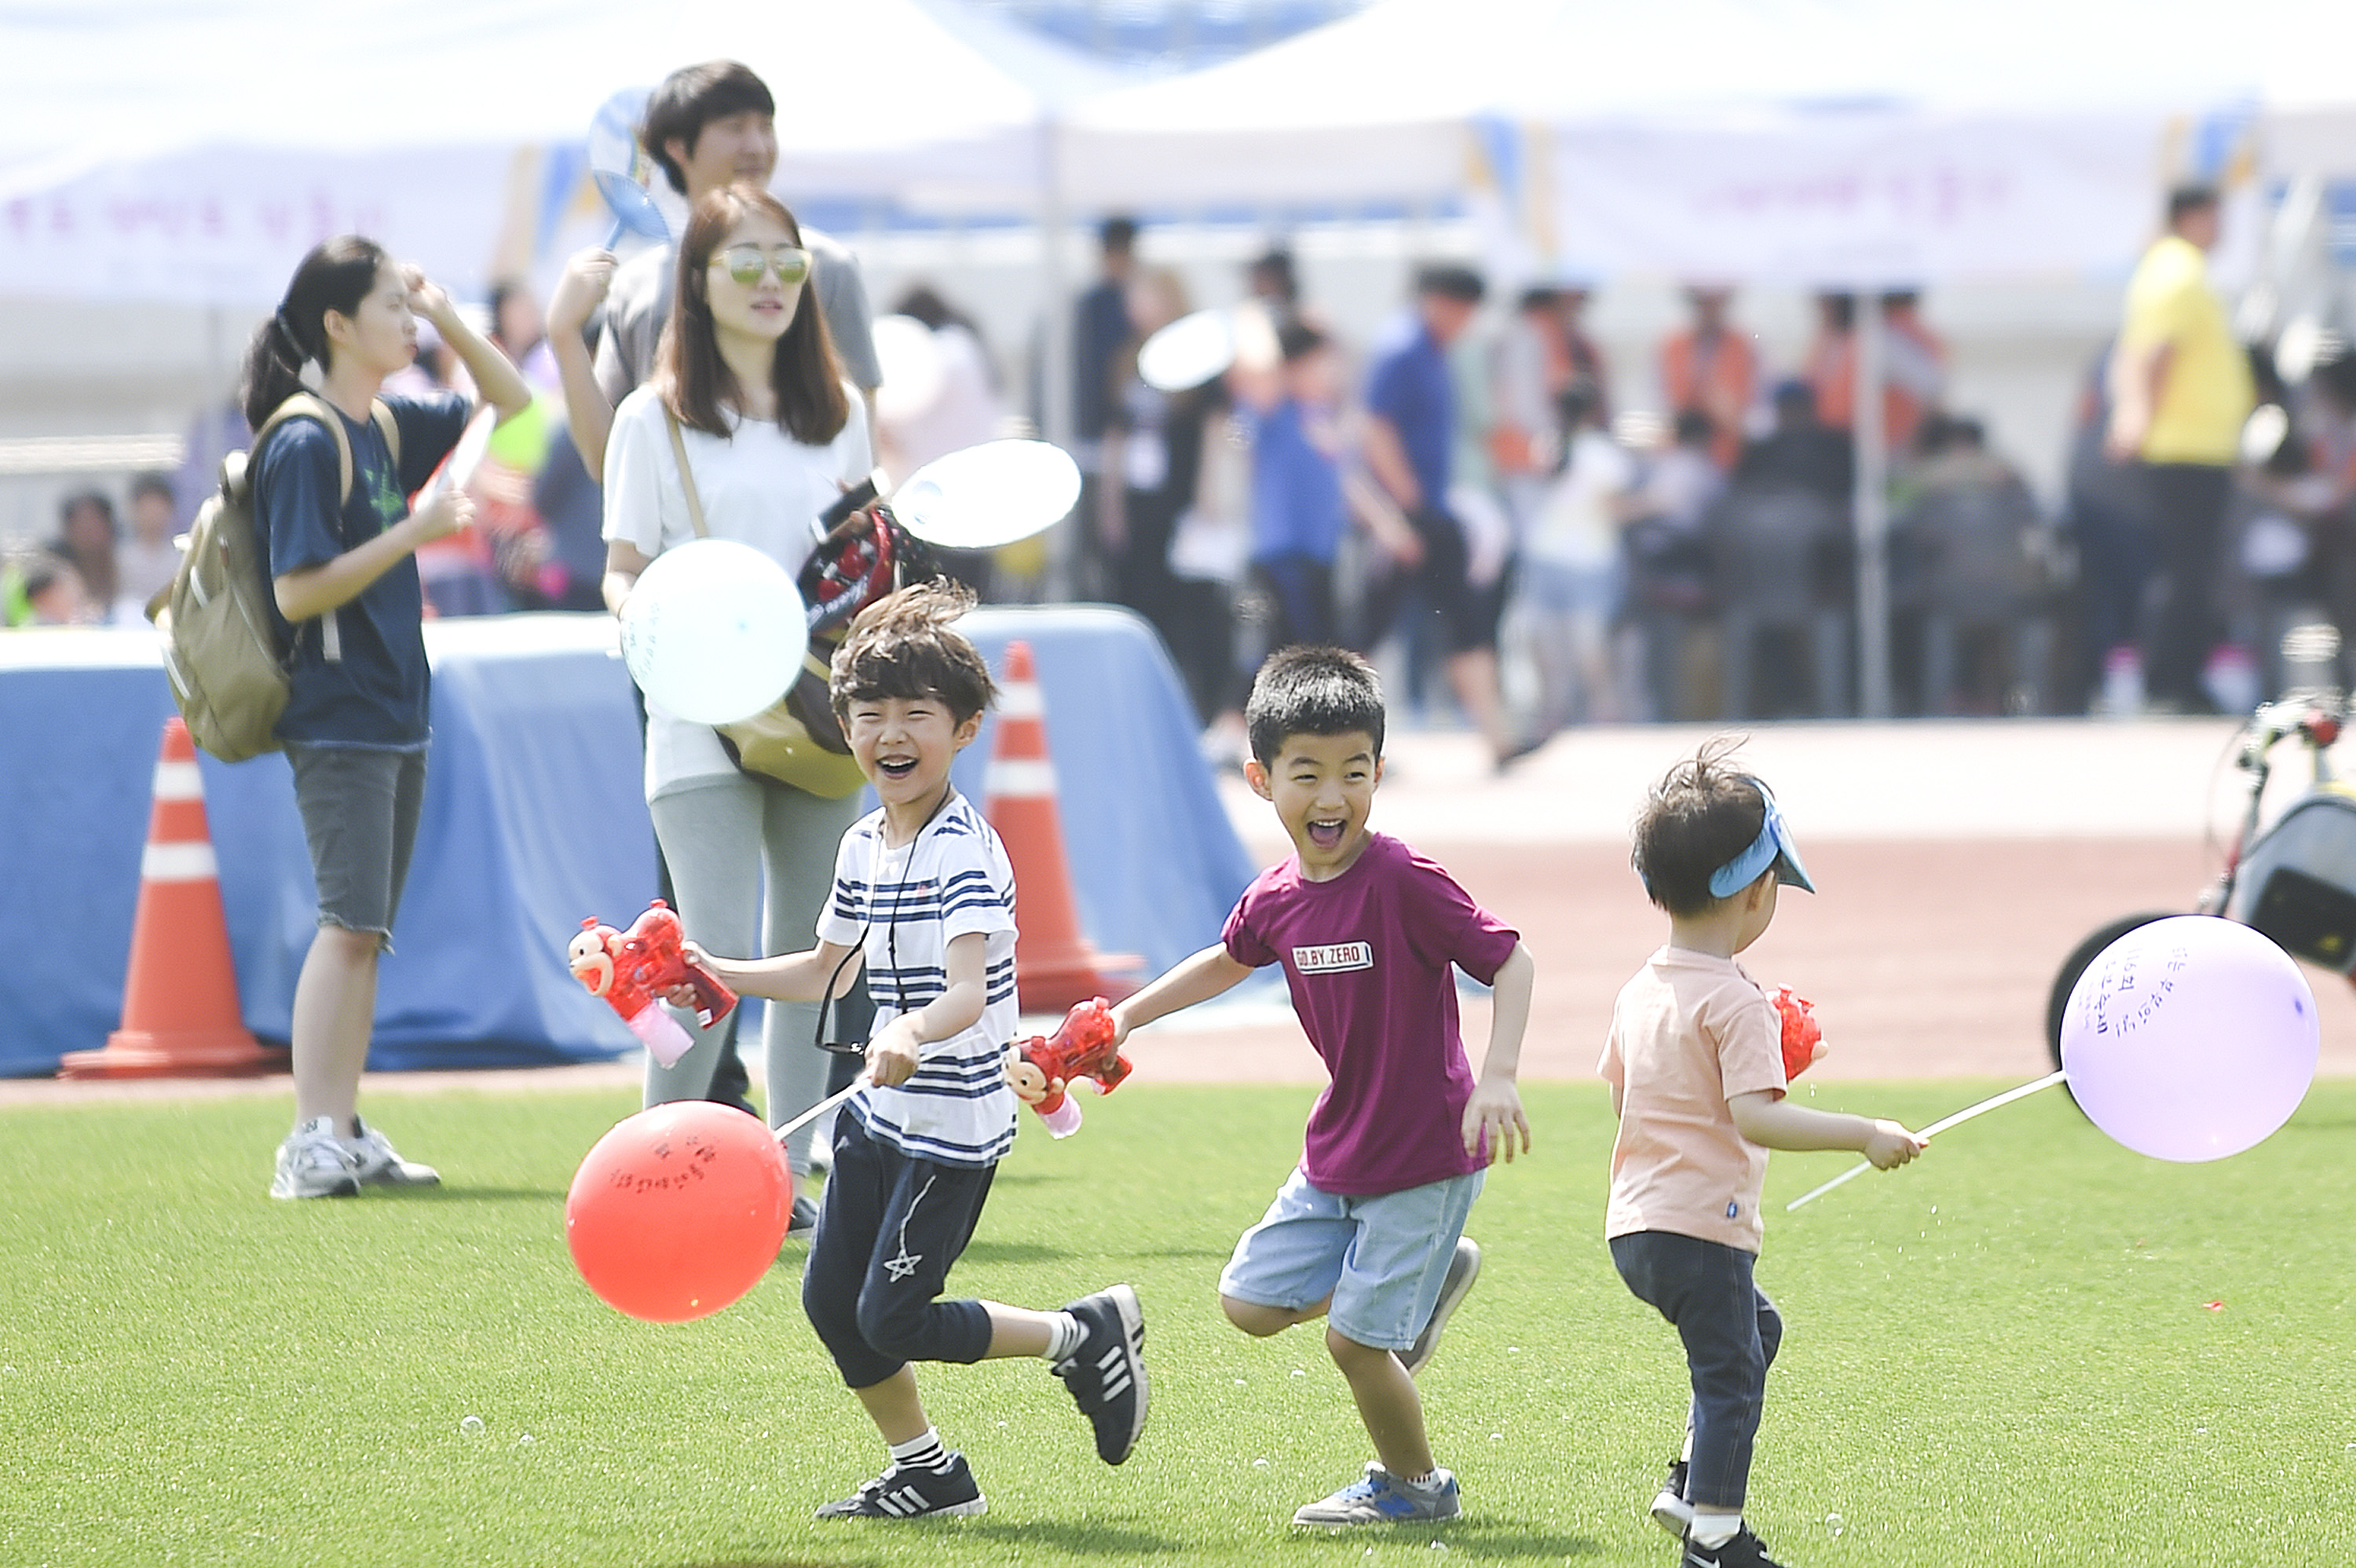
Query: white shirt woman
point(773, 434)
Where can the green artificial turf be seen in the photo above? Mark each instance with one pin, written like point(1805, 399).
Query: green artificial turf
point(2003, 1354)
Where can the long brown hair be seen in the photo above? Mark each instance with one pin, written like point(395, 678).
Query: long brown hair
point(695, 383)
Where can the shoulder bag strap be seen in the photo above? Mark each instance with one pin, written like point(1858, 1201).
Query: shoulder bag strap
point(381, 411)
point(310, 406)
point(686, 474)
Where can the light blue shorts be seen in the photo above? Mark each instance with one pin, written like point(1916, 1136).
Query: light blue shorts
point(1381, 1259)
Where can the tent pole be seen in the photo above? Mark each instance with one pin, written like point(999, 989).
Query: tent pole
point(1871, 363)
point(1055, 346)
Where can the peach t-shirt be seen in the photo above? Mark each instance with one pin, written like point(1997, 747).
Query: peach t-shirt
point(1689, 1033)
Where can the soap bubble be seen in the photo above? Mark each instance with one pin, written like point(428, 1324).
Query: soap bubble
point(472, 1426)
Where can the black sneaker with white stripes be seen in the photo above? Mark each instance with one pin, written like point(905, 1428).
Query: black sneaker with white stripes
point(914, 1491)
point(1107, 1374)
point(1745, 1551)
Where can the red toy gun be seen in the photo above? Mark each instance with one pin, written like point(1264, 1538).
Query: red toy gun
point(633, 970)
point(1801, 1038)
point(1080, 1048)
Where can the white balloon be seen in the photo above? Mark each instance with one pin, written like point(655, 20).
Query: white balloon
point(989, 495)
point(713, 632)
point(1189, 351)
point(2189, 1038)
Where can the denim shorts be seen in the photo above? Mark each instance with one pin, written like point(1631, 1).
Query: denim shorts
point(1381, 1259)
point(359, 806)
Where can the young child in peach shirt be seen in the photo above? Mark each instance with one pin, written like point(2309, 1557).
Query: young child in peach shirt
point(1696, 1066)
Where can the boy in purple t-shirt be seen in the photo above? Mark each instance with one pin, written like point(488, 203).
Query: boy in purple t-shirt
point(1368, 1233)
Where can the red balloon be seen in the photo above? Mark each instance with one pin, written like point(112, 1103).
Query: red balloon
point(679, 1211)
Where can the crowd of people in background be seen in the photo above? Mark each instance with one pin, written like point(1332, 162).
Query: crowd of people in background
point(1474, 496)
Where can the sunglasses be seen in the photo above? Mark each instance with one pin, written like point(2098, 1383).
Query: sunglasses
point(745, 264)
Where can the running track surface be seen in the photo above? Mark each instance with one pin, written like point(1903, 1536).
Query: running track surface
point(1957, 865)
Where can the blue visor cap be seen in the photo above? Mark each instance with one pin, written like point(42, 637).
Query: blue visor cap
point(1773, 847)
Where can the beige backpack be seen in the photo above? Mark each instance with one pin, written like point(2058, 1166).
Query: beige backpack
point(228, 672)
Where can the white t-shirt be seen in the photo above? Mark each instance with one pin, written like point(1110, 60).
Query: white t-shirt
point(760, 487)
point(904, 906)
point(1575, 524)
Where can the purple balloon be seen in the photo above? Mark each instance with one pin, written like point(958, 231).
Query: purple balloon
point(2189, 1038)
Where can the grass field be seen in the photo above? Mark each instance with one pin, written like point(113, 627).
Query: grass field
point(2033, 1346)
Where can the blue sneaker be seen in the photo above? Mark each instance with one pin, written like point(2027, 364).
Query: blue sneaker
point(1380, 1498)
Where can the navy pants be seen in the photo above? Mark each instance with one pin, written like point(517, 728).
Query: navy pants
point(1730, 1332)
point(888, 1229)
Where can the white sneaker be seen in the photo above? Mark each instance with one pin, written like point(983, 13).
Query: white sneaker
point(314, 1163)
point(377, 1164)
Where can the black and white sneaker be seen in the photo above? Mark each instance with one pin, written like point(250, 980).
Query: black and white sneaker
point(1107, 1374)
point(914, 1491)
point(1670, 1509)
point(1744, 1550)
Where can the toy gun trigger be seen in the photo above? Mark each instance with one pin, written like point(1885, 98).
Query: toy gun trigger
point(714, 1001)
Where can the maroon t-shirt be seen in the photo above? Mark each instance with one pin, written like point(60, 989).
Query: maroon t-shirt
point(1367, 957)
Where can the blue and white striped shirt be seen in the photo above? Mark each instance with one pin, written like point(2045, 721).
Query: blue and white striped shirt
point(904, 906)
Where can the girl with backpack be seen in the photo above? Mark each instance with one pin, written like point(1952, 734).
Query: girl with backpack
point(330, 485)
point(748, 431)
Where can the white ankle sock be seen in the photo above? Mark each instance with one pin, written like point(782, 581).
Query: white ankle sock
point(924, 1451)
point(1065, 1335)
point(1713, 1527)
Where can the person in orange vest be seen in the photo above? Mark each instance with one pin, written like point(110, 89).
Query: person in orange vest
point(1714, 368)
point(1914, 366)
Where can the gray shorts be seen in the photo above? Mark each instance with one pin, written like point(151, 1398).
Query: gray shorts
point(359, 806)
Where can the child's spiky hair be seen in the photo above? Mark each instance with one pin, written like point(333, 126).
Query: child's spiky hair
point(1313, 691)
point(907, 644)
point(1701, 815)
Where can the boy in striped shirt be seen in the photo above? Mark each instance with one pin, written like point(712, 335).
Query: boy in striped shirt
point(924, 899)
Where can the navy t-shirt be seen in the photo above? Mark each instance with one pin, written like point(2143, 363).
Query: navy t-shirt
point(1410, 386)
point(362, 682)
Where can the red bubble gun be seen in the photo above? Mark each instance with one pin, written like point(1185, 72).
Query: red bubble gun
point(632, 970)
point(1801, 1035)
point(1080, 1048)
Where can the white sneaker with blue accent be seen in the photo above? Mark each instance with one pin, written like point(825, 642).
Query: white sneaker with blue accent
point(1380, 1498)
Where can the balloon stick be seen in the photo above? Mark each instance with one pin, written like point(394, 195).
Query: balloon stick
point(820, 1109)
point(1966, 1114)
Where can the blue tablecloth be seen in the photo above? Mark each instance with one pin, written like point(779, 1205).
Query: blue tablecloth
point(534, 817)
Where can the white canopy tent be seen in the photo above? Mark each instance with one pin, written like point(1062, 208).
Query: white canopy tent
point(1379, 105)
point(191, 152)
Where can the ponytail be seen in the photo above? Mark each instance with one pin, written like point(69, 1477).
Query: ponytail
point(336, 276)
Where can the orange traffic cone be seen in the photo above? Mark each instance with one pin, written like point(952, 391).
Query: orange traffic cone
point(1054, 965)
point(180, 1016)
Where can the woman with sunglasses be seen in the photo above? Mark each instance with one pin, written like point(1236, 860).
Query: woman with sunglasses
point(746, 388)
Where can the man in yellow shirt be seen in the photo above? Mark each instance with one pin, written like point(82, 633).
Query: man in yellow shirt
point(2180, 388)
